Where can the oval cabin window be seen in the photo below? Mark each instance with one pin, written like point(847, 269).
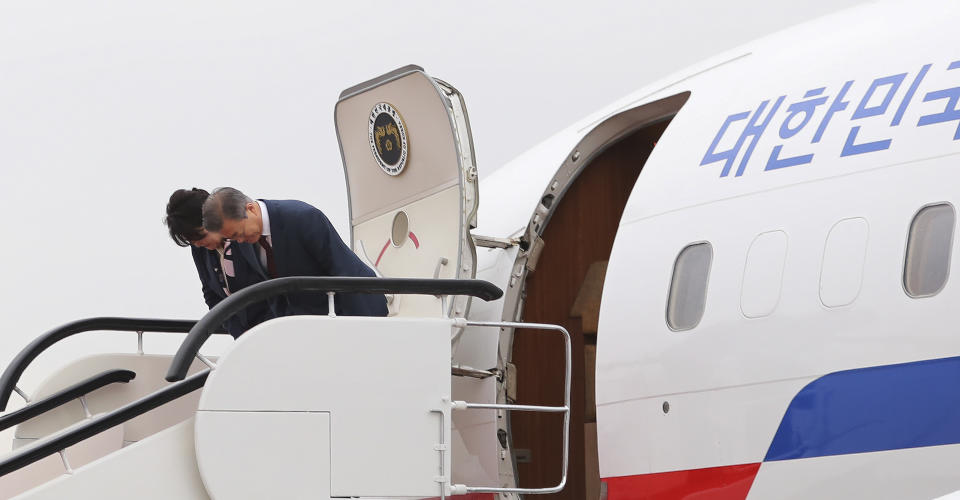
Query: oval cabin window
point(927, 263)
point(688, 288)
point(763, 274)
point(841, 273)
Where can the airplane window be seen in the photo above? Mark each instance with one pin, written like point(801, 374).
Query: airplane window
point(928, 250)
point(763, 274)
point(688, 289)
point(841, 273)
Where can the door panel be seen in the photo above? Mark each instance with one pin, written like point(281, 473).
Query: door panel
point(409, 163)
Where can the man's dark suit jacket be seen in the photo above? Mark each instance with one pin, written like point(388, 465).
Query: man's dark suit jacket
point(305, 243)
point(246, 271)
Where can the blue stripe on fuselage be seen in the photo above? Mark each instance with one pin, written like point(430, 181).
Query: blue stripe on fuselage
point(880, 408)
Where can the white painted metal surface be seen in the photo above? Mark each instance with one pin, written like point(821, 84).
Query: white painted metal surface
point(763, 274)
point(476, 452)
point(382, 407)
point(150, 370)
point(264, 454)
point(415, 223)
point(677, 201)
point(842, 271)
point(53, 466)
point(638, 360)
point(161, 466)
point(715, 428)
point(434, 222)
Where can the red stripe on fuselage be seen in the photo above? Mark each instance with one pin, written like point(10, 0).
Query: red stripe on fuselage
point(716, 483)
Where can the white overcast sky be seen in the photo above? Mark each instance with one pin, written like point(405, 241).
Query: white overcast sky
point(107, 107)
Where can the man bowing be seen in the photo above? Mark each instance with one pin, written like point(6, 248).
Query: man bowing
point(295, 239)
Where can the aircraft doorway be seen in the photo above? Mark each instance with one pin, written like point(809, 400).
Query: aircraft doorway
point(566, 290)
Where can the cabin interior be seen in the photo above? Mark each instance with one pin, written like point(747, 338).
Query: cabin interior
point(566, 290)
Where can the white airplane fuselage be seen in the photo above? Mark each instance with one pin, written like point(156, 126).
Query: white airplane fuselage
point(802, 161)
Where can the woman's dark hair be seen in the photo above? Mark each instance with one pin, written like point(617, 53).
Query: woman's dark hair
point(184, 215)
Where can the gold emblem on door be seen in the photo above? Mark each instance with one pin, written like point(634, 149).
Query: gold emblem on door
point(388, 138)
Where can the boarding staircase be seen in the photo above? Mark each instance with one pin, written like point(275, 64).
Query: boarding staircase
point(311, 406)
point(299, 407)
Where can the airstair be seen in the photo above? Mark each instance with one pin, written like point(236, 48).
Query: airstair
point(311, 406)
point(300, 407)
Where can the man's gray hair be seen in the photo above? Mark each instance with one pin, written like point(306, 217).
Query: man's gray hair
point(224, 203)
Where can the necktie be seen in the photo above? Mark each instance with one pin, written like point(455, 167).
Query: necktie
point(267, 249)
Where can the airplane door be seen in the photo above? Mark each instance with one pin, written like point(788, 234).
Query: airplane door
point(412, 182)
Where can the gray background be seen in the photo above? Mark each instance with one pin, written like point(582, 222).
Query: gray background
point(107, 107)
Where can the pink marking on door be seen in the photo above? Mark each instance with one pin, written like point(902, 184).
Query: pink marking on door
point(385, 245)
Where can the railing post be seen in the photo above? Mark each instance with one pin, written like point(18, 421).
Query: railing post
point(11, 374)
point(86, 409)
point(330, 309)
point(22, 394)
point(59, 442)
point(66, 464)
point(203, 359)
point(443, 448)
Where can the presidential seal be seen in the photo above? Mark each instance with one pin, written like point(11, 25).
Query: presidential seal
point(388, 138)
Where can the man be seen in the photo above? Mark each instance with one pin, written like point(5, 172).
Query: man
point(296, 239)
point(223, 268)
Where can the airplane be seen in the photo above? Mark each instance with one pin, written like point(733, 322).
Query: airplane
point(733, 283)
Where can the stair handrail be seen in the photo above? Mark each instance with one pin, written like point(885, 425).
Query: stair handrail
point(328, 284)
point(64, 396)
point(89, 428)
point(11, 375)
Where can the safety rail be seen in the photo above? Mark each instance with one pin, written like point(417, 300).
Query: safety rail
point(329, 285)
point(11, 375)
point(46, 447)
point(200, 331)
point(460, 489)
point(59, 398)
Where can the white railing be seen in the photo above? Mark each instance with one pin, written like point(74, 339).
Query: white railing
point(460, 489)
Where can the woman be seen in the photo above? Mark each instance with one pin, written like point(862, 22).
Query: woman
point(224, 267)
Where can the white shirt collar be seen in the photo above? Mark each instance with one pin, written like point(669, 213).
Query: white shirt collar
point(265, 218)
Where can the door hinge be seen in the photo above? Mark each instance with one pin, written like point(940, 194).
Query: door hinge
point(533, 255)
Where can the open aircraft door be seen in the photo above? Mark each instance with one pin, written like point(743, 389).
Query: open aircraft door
point(412, 182)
